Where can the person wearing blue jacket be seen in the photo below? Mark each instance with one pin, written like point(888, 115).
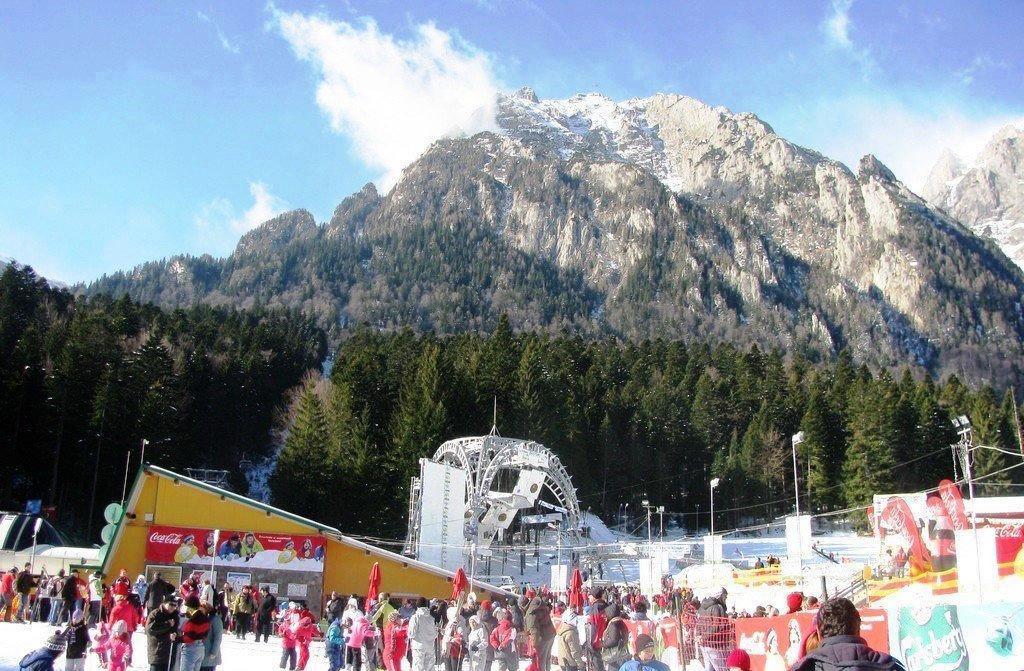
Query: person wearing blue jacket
point(335, 643)
point(42, 659)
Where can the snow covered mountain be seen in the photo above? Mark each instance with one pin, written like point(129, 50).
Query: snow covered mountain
point(987, 195)
point(653, 217)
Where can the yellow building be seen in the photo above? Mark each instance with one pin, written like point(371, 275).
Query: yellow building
point(162, 501)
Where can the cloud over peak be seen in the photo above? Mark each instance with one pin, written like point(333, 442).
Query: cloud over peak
point(392, 97)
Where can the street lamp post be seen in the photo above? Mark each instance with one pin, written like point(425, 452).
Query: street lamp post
point(647, 506)
point(798, 438)
point(713, 484)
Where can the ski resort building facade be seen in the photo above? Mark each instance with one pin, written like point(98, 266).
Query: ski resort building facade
point(178, 526)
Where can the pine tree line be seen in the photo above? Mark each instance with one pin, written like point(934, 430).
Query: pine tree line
point(83, 381)
point(653, 419)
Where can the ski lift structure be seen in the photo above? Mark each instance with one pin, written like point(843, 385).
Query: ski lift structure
point(517, 491)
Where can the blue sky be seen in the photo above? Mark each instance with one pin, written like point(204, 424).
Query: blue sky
point(132, 131)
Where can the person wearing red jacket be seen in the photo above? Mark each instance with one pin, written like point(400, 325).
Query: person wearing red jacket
point(123, 584)
point(396, 642)
point(287, 634)
point(7, 593)
point(305, 630)
point(194, 631)
point(124, 611)
point(503, 640)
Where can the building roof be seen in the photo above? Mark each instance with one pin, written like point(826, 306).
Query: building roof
point(318, 527)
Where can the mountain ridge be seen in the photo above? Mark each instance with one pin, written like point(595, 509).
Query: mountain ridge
point(655, 217)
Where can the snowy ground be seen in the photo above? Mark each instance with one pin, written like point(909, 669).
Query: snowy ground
point(17, 640)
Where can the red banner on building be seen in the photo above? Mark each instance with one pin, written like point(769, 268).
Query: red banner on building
point(773, 643)
point(181, 545)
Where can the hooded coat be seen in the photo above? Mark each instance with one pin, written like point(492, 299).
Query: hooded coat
point(538, 620)
point(160, 625)
point(847, 653)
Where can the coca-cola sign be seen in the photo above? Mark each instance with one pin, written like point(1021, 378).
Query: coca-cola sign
point(228, 548)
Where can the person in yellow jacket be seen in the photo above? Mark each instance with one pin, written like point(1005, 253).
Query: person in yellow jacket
point(242, 610)
point(250, 546)
point(187, 550)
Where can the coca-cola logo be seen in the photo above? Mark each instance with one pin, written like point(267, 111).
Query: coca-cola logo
point(1010, 531)
point(165, 539)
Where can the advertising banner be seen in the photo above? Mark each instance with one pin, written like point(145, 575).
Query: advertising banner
point(240, 549)
point(773, 643)
point(959, 638)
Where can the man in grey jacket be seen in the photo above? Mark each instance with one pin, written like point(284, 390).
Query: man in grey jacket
point(422, 636)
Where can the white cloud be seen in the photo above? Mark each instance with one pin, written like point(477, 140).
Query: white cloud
point(228, 45)
point(908, 136)
point(978, 64)
point(219, 225)
point(392, 97)
point(837, 27)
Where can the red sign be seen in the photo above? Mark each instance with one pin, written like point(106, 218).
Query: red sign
point(773, 643)
point(202, 547)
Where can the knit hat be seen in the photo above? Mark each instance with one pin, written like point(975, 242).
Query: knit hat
point(569, 618)
point(55, 643)
point(643, 641)
point(485, 605)
point(192, 602)
point(738, 658)
point(794, 600)
point(119, 628)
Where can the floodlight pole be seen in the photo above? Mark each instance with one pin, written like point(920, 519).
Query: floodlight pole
point(798, 438)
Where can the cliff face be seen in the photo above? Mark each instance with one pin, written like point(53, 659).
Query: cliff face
point(656, 217)
point(988, 195)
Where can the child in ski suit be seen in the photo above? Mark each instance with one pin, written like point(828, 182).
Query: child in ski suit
point(42, 659)
point(335, 645)
point(304, 633)
point(120, 646)
point(101, 646)
point(77, 637)
point(287, 634)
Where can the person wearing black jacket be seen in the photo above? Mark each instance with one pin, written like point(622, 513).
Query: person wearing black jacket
point(77, 636)
point(335, 607)
point(157, 591)
point(69, 595)
point(24, 584)
point(265, 614)
point(841, 647)
point(161, 632)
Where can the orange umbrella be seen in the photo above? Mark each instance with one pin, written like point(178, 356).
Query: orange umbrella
point(459, 583)
point(575, 591)
point(374, 589)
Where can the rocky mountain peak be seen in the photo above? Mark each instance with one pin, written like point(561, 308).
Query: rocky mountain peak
point(277, 232)
point(987, 195)
point(870, 166)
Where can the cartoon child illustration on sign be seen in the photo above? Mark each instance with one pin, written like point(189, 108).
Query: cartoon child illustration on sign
point(230, 548)
point(287, 553)
point(187, 550)
point(307, 549)
point(250, 546)
point(210, 548)
point(773, 660)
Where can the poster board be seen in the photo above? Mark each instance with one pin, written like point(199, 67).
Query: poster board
point(774, 642)
point(170, 573)
point(242, 549)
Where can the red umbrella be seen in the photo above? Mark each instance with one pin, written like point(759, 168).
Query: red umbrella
point(459, 583)
point(374, 589)
point(575, 591)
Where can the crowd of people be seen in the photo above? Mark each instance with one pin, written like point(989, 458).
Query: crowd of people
point(614, 629)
